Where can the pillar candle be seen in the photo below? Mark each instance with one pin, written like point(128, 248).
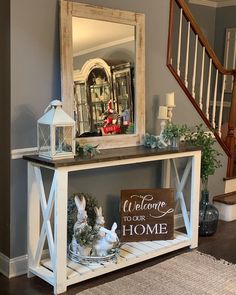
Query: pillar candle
point(170, 99)
point(162, 113)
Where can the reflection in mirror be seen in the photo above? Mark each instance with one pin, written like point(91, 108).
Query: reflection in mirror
point(102, 73)
point(103, 64)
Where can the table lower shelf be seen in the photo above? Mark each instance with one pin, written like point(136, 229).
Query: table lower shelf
point(130, 253)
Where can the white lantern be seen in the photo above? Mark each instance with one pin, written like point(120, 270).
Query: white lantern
point(56, 133)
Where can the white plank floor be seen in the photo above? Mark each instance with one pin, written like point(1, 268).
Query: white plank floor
point(130, 253)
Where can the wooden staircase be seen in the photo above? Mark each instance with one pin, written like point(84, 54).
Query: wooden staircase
point(226, 205)
point(201, 75)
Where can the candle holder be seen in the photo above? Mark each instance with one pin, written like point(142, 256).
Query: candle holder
point(163, 125)
point(163, 116)
point(170, 112)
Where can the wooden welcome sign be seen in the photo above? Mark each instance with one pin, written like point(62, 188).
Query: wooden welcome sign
point(147, 215)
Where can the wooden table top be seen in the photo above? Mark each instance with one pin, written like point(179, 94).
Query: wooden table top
point(113, 154)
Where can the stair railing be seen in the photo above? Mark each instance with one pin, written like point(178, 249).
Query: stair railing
point(201, 75)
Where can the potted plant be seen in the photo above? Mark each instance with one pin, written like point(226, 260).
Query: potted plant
point(173, 132)
point(85, 239)
point(209, 215)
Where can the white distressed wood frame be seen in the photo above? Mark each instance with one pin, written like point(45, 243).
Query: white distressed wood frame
point(60, 272)
point(70, 9)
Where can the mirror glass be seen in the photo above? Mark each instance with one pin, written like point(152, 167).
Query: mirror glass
point(103, 65)
point(103, 73)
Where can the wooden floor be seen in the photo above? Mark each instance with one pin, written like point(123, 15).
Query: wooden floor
point(221, 245)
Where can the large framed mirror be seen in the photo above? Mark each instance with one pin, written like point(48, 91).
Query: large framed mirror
point(103, 73)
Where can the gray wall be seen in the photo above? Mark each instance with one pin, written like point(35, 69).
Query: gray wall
point(205, 17)
point(225, 18)
point(5, 127)
point(36, 79)
point(213, 22)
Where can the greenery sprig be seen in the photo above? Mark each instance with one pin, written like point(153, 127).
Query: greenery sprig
point(210, 156)
point(152, 141)
point(87, 236)
point(87, 150)
point(174, 130)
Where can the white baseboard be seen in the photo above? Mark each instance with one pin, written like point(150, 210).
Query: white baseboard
point(13, 267)
point(18, 266)
point(4, 265)
point(230, 185)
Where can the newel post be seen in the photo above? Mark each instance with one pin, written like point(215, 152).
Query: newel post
point(230, 139)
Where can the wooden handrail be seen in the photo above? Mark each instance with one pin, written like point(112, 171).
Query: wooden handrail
point(204, 42)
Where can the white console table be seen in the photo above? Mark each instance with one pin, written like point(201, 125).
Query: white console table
point(58, 270)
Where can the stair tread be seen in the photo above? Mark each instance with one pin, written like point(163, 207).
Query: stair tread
point(228, 199)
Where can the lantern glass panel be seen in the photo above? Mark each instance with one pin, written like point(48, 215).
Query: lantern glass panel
point(63, 139)
point(44, 138)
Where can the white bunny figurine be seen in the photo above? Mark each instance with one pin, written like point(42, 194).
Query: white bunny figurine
point(81, 220)
point(81, 214)
point(100, 221)
point(106, 243)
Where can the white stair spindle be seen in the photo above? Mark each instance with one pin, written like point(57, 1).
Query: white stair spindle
point(214, 101)
point(179, 41)
point(208, 89)
point(226, 61)
point(234, 58)
point(221, 105)
point(195, 67)
point(187, 57)
point(202, 77)
point(226, 57)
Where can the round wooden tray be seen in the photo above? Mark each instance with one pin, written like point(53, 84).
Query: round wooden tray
point(93, 260)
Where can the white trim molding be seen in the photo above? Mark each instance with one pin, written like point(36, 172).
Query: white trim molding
point(19, 153)
point(103, 46)
point(17, 266)
point(4, 265)
point(13, 267)
point(204, 3)
point(214, 4)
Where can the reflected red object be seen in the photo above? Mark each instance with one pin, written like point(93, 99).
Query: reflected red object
point(112, 129)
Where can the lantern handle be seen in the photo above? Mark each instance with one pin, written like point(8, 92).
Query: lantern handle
point(54, 103)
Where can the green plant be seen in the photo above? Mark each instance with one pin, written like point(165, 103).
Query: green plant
point(174, 130)
point(130, 129)
point(153, 141)
point(150, 141)
point(87, 150)
point(87, 236)
point(210, 156)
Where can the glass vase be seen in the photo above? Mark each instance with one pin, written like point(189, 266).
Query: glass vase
point(208, 216)
point(175, 142)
